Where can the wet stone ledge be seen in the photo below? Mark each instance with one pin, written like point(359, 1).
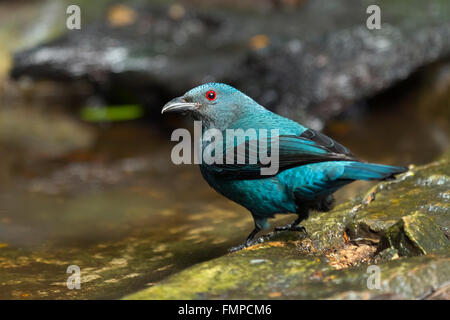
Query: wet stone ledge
point(400, 226)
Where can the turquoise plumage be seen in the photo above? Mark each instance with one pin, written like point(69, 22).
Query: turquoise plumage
point(312, 166)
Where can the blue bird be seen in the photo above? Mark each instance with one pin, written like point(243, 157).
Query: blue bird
point(312, 166)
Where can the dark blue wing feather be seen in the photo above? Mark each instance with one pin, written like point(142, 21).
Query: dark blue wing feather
point(293, 151)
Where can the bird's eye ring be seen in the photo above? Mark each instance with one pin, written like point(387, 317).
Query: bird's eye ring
point(210, 95)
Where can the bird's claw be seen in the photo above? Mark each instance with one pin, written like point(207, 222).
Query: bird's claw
point(299, 228)
point(246, 244)
point(250, 243)
point(290, 227)
point(237, 248)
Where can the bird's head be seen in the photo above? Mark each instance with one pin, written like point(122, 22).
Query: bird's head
point(216, 104)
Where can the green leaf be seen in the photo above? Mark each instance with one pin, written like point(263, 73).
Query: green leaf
point(111, 113)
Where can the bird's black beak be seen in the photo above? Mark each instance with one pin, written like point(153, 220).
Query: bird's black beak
point(179, 105)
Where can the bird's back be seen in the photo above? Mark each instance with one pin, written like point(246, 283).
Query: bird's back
point(261, 118)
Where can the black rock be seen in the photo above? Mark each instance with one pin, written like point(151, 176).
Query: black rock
point(309, 63)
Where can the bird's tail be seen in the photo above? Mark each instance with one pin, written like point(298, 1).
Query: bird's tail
point(371, 171)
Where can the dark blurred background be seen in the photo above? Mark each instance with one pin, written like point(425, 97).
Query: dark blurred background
point(85, 170)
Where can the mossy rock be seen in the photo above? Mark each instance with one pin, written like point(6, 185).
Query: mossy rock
point(281, 271)
point(401, 227)
point(417, 234)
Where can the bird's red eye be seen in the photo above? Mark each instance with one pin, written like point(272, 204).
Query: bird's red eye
point(210, 95)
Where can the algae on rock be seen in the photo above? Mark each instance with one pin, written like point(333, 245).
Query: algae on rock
point(402, 227)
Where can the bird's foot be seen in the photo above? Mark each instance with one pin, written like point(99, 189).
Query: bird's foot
point(246, 244)
point(290, 227)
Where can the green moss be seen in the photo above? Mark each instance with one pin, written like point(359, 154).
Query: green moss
point(288, 274)
point(417, 234)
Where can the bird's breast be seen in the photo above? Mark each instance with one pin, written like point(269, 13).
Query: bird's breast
point(265, 196)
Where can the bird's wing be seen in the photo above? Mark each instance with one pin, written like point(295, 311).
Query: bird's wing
point(293, 151)
point(327, 142)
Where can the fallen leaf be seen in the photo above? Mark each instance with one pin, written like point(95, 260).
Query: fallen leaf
point(345, 237)
point(275, 294)
point(176, 11)
point(120, 16)
point(259, 41)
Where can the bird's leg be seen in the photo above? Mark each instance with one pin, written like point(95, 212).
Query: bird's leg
point(249, 242)
point(294, 226)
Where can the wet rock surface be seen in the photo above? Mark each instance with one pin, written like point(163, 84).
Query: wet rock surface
point(310, 61)
point(400, 226)
point(124, 220)
point(26, 131)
